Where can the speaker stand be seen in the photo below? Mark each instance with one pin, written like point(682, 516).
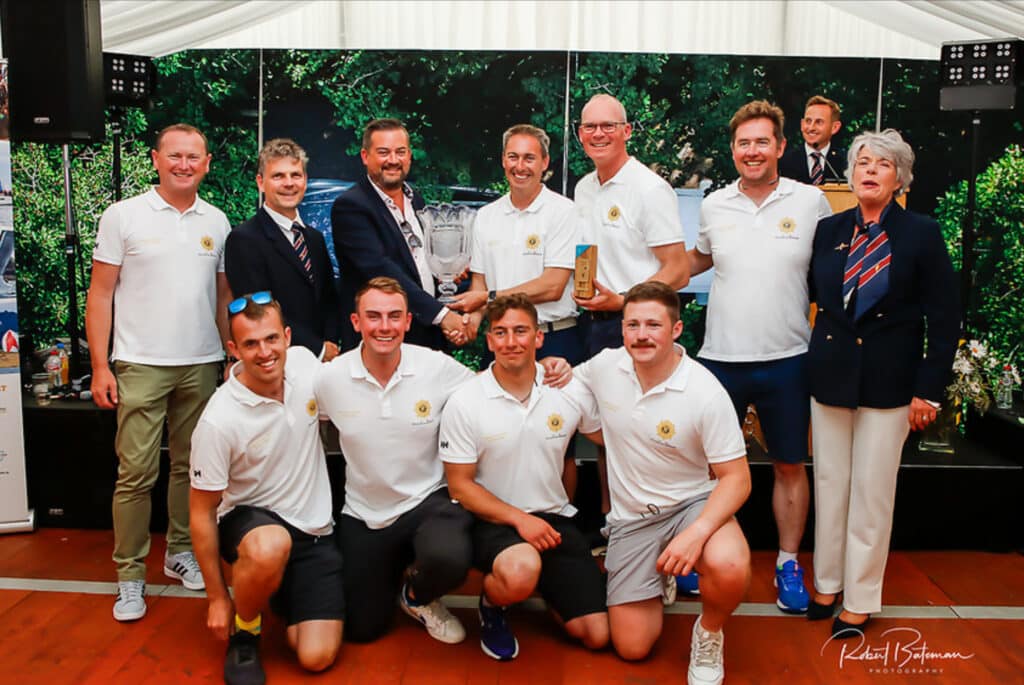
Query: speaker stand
point(967, 230)
point(71, 258)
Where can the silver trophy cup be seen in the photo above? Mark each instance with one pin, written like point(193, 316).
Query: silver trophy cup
point(447, 241)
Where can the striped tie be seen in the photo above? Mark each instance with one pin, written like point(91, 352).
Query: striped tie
point(302, 250)
point(867, 268)
point(817, 170)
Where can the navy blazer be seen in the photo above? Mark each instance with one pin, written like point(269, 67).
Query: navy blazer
point(794, 164)
point(878, 361)
point(258, 256)
point(369, 243)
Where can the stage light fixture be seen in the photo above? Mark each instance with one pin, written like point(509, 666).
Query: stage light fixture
point(980, 75)
point(129, 79)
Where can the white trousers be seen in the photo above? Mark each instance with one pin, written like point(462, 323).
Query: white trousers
point(856, 459)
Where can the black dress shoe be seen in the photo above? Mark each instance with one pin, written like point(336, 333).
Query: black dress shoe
point(819, 612)
point(841, 630)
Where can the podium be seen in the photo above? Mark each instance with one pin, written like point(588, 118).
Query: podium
point(841, 197)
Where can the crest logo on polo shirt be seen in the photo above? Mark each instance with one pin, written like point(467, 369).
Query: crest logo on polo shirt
point(614, 213)
point(311, 407)
point(555, 423)
point(422, 409)
point(532, 241)
point(666, 430)
point(206, 242)
point(787, 225)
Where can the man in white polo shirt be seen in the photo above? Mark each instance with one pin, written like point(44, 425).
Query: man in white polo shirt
point(631, 214)
point(503, 440)
point(261, 498)
point(385, 398)
point(678, 472)
point(159, 257)
point(757, 232)
point(525, 242)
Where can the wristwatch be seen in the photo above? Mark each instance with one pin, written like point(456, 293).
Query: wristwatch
point(491, 294)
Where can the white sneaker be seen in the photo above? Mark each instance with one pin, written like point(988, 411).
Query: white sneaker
point(706, 664)
point(184, 567)
point(669, 590)
point(131, 602)
point(435, 617)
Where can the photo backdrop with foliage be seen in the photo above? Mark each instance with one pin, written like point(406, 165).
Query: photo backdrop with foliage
point(457, 104)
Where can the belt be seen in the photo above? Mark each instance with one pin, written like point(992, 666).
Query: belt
point(559, 325)
point(604, 316)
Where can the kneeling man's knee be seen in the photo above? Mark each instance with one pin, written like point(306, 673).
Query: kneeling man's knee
point(632, 648)
point(592, 630)
point(317, 657)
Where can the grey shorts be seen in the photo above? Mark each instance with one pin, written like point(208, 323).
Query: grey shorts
point(634, 548)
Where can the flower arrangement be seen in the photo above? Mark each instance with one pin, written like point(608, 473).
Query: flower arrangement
point(976, 373)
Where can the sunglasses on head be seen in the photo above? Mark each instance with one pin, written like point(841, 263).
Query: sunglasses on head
point(238, 304)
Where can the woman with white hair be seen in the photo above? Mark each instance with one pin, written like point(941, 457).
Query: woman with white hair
point(884, 286)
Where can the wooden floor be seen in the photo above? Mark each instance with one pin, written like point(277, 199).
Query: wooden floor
point(952, 617)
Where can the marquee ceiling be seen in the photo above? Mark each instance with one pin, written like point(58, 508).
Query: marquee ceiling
point(835, 28)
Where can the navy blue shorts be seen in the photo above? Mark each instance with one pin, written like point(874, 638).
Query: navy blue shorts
point(600, 331)
point(311, 589)
point(779, 390)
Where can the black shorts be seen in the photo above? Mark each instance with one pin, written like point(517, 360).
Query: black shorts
point(570, 580)
point(311, 589)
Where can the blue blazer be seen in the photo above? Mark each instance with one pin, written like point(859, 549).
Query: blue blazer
point(878, 361)
point(257, 256)
point(369, 243)
point(793, 164)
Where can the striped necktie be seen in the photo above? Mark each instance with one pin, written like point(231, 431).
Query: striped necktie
point(302, 250)
point(817, 170)
point(867, 268)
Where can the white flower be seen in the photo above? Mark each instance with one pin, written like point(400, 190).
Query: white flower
point(977, 349)
point(962, 366)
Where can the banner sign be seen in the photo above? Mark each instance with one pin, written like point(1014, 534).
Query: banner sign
point(14, 512)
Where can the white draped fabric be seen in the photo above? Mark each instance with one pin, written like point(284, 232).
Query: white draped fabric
point(836, 28)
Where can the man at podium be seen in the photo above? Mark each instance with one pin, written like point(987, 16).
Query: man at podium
point(817, 161)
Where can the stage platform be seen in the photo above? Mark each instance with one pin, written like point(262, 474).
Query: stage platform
point(967, 500)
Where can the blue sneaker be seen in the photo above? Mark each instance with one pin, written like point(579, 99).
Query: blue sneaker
point(496, 638)
point(689, 584)
point(793, 596)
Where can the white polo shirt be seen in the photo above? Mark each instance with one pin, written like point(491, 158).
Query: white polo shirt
point(265, 453)
point(519, 449)
point(758, 303)
point(625, 217)
point(165, 300)
point(512, 246)
point(660, 443)
point(389, 434)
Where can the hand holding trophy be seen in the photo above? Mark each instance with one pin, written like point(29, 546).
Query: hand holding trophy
point(447, 240)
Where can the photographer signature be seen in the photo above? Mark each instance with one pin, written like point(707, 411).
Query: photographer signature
point(902, 646)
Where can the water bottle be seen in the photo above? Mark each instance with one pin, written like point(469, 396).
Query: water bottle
point(1004, 391)
point(65, 371)
point(52, 367)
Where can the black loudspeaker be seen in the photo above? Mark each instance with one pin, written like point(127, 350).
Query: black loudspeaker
point(980, 75)
point(55, 70)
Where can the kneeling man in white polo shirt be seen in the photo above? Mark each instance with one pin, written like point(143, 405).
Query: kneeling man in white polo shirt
point(677, 472)
point(399, 531)
point(503, 440)
point(398, 526)
point(261, 498)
